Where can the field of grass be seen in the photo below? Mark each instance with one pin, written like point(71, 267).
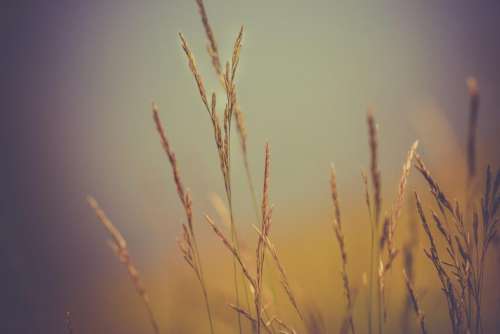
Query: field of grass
point(426, 262)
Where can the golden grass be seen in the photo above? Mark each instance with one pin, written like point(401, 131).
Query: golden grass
point(466, 236)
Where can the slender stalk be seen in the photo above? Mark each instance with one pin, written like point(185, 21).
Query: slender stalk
point(416, 304)
point(339, 234)
point(370, 299)
point(377, 202)
point(234, 240)
point(222, 134)
point(372, 245)
point(188, 245)
point(119, 245)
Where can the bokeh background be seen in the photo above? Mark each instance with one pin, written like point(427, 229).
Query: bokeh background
point(78, 82)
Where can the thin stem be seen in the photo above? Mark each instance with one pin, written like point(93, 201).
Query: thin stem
point(205, 297)
point(370, 297)
point(234, 240)
point(251, 187)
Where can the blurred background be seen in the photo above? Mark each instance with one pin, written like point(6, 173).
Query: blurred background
point(78, 82)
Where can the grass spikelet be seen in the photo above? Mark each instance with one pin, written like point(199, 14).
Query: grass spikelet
point(381, 287)
point(377, 206)
point(440, 197)
point(390, 223)
point(367, 195)
point(416, 305)
point(398, 205)
point(119, 245)
point(374, 168)
point(213, 50)
point(194, 70)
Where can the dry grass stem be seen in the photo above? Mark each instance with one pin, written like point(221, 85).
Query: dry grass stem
point(233, 251)
point(253, 321)
point(194, 70)
point(283, 275)
point(119, 245)
point(212, 48)
point(416, 305)
point(398, 205)
point(187, 242)
point(222, 134)
point(264, 231)
point(374, 168)
point(409, 250)
point(439, 196)
point(337, 227)
point(374, 223)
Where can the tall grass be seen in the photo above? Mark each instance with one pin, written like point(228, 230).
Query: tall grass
point(467, 234)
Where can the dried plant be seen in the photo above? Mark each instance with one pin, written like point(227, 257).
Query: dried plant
point(213, 50)
point(462, 274)
point(337, 227)
point(264, 232)
point(374, 168)
point(409, 253)
point(416, 305)
point(222, 133)
point(285, 282)
point(119, 245)
point(398, 205)
point(375, 216)
point(213, 53)
point(458, 241)
point(187, 242)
